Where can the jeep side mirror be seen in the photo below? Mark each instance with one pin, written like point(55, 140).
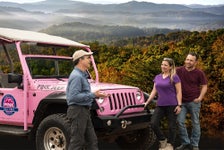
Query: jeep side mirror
point(15, 78)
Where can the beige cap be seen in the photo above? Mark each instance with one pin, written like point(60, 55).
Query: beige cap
point(79, 53)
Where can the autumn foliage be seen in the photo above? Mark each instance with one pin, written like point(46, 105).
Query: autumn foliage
point(136, 61)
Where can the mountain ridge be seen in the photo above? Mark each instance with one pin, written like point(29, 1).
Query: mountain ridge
point(144, 15)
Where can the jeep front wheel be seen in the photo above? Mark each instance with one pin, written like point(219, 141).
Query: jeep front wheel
point(53, 133)
point(140, 139)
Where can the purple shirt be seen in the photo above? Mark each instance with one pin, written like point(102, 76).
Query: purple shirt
point(166, 90)
point(191, 82)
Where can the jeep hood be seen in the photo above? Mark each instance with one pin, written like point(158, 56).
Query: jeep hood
point(55, 85)
point(109, 86)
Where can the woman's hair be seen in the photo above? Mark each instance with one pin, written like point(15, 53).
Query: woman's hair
point(173, 68)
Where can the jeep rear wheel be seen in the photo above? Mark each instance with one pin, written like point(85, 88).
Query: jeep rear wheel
point(140, 139)
point(53, 133)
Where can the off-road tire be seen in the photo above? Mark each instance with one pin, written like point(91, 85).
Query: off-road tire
point(53, 133)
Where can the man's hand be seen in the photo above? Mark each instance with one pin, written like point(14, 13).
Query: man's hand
point(99, 93)
point(197, 100)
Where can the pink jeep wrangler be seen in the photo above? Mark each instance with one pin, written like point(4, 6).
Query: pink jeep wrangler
point(33, 79)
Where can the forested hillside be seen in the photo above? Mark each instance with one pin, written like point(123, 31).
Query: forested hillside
point(136, 61)
point(102, 33)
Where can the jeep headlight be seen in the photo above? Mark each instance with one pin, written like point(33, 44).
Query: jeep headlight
point(138, 95)
point(100, 100)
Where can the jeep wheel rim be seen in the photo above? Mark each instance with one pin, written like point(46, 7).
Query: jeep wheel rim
point(54, 139)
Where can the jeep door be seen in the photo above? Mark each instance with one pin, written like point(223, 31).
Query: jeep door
point(11, 102)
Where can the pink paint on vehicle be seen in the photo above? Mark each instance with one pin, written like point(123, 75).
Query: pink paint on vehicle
point(33, 81)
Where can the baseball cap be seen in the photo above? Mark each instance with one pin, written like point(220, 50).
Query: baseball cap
point(79, 53)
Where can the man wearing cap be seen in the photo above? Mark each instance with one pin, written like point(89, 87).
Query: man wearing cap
point(79, 99)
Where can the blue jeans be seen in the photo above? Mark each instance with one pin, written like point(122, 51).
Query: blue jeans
point(194, 110)
point(159, 113)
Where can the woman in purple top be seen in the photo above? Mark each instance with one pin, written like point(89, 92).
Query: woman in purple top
point(168, 87)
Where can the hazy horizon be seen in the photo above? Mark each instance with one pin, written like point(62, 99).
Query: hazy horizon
point(184, 2)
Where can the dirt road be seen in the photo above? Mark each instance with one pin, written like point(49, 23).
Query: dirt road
point(21, 143)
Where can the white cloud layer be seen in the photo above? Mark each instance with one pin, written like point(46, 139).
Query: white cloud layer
point(203, 2)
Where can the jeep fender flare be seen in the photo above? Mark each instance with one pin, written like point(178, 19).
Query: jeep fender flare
point(52, 104)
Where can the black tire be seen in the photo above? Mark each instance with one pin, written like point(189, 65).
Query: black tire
point(53, 133)
point(138, 140)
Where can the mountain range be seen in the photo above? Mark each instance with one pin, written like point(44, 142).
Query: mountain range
point(143, 15)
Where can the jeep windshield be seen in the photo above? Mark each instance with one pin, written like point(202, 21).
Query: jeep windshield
point(49, 67)
point(32, 48)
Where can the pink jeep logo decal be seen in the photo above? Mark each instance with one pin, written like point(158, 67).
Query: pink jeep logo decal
point(50, 87)
point(8, 105)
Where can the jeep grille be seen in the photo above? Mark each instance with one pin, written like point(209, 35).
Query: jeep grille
point(118, 100)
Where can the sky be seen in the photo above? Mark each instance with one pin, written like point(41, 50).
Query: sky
point(187, 2)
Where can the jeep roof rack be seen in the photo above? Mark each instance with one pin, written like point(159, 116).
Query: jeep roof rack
point(16, 35)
